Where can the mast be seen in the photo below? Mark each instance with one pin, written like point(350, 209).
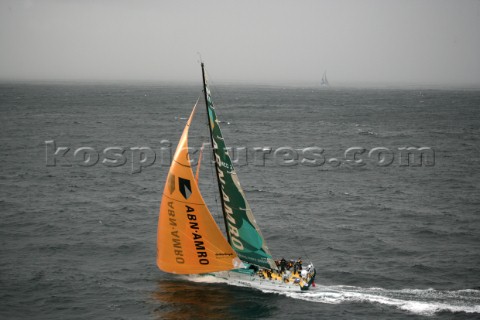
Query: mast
point(213, 151)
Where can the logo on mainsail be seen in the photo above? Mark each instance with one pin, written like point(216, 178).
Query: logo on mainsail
point(185, 187)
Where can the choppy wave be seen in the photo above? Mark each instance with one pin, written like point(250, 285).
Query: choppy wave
point(90, 231)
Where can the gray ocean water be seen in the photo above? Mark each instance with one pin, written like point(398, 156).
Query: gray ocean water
point(390, 240)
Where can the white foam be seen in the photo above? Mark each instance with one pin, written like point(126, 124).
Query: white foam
point(204, 279)
point(419, 301)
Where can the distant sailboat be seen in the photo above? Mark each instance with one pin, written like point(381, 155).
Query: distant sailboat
point(189, 240)
point(324, 82)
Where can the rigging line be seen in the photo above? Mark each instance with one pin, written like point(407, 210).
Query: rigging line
point(289, 219)
point(200, 60)
point(208, 105)
point(218, 197)
point(219, 96)
point(209, 162)
point(200, 156)
point(302, 248)
point(215, 195)
point(218, 205)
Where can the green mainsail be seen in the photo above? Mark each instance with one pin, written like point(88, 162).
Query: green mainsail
point(243, 232)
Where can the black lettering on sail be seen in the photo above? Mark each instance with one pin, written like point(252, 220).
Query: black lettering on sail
point(176, 243)
point(185, 187)
point(196, 236)
point(199, 245)
point(194, 225)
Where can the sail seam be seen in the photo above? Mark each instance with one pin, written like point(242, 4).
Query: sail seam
point(184, 165)
point(189, 202)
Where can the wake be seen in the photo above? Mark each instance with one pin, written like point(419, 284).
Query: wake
point(418, 301)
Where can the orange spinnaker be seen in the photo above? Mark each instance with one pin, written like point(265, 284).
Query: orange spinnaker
point(188, 239)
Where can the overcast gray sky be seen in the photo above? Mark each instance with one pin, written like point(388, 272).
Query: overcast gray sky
point(377, 41)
